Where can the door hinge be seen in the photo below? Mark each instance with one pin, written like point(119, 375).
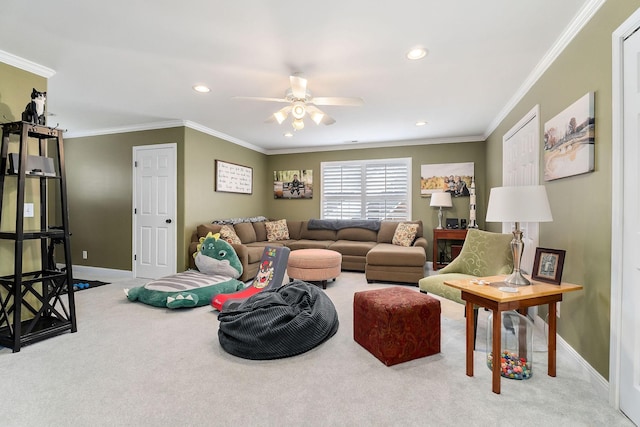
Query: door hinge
point(135, 211)
point(135, 164)
point(135, 257)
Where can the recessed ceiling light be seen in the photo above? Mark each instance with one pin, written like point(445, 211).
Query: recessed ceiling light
point(201, 89)
point(421, 123)
point(417, 52)
point(288, 134)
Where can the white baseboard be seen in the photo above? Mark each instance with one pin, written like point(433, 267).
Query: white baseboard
point(599, 383)
point(79, 270)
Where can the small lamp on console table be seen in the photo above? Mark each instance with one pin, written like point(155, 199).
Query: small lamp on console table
point(440, 200)
point(518, 204)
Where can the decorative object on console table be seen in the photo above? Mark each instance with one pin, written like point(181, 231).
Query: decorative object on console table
point(548, 265)
point(440, 200)
point(444, 246)
point(472, 205)
point(518, 204)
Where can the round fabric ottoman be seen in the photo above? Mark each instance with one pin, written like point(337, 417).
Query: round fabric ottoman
point(314, 265)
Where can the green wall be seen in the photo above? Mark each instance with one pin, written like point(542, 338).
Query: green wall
point(420, 154)
point(15, 94)
point(202, 203)
point(580, 204)
point(100, 188)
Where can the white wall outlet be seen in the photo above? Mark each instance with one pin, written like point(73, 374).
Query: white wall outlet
point(85, 255)
point(28, 210)
point(558, 309)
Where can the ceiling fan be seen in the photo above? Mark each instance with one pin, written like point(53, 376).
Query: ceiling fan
point(302, 103)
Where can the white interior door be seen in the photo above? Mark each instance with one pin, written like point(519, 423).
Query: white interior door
point(520, 166)
point(155, 210)
point(630, 293)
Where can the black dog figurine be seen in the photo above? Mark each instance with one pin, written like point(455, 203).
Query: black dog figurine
point(34, 111)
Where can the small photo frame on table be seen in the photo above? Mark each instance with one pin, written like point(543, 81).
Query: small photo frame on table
point(547, 265)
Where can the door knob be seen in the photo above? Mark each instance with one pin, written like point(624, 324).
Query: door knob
point(168, 221)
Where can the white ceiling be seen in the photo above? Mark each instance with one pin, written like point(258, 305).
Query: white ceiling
point(123, 64)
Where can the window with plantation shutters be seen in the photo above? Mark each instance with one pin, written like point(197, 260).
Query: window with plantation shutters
point(366, 189)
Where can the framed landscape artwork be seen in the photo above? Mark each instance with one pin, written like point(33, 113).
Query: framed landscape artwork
point(451, 177)
point(293, 184)
point(569, 140)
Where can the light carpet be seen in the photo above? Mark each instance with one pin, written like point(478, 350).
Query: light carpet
point(136, 365)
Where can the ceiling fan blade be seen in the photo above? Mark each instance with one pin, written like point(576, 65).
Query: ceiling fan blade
point(259, 98)
point(337, 100)
point(280, 115)
point(298, 87)
point(319, 116)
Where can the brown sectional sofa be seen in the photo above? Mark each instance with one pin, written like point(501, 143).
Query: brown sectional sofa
point(362, 249)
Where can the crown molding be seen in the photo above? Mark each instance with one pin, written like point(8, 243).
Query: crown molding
point(384, 144)
point(575, 26)
point(26, 65)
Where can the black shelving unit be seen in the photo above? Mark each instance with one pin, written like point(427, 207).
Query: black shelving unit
point(38, 304)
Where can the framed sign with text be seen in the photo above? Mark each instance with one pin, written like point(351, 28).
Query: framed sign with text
point(233, 178)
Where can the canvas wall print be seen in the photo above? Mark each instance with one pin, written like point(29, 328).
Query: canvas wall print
point(293, 184)
point(569, 140)
point(452, 177)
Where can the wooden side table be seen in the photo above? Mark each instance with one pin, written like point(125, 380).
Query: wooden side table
point(446, 236)
point(491, 297)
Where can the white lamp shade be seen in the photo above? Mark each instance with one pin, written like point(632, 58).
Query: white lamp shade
point(441, 199)
point(527, 203)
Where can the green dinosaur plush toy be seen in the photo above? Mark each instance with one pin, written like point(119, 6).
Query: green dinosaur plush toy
point(219, 268)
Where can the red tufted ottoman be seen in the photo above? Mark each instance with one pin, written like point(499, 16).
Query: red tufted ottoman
point(396, 324)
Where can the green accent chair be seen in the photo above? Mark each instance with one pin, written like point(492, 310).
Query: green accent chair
point(483, 254)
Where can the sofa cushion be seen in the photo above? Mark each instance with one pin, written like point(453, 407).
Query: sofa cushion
point(294, 229)
point(204, 229)
point(309, 244)
point(405, 234)
point(229, 234)
point(350, 247)
point(388, 229)
point(305, 233)
point(389, 255)
point(357, 234)
point(261, 231)
point(246, 232)
point(277, 230)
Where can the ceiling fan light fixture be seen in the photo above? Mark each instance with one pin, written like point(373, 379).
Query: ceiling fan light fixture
point(280, 116)
point(298, 110)
point(298, 124)
point(317, 117)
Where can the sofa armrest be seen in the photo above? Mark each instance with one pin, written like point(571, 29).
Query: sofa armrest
point(423, 243)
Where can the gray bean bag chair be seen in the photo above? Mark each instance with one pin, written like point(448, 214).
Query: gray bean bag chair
point(282, 322)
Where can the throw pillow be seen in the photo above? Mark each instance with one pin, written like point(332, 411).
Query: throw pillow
point(229, 234)
point(405, 234)
point(277, 230)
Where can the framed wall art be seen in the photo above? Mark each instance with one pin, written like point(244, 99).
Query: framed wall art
point(569, 140)
point(451, 177)
point(548, 265)
point(293, 184)
point(233, 178)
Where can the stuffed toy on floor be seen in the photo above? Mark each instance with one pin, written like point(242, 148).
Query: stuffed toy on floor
point(219, 268)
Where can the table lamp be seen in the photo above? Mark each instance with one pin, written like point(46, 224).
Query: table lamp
point(440, 200)
point(518, 204)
